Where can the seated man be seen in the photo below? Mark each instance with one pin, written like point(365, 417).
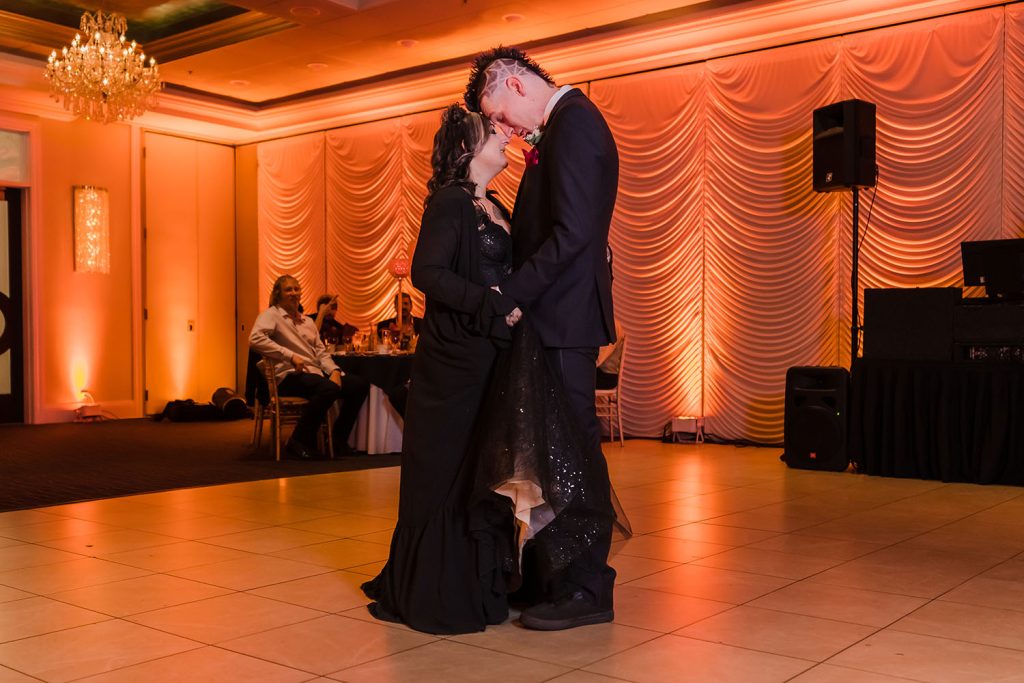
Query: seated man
point(304, 368)
point(410, 324)
point(326, 320)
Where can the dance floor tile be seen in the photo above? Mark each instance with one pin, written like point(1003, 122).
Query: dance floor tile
point(817, 546)
point(669, 549)
point(61, 527)
point(574, 648)
point(717, 533)
point(370, 569)
point(332, 592)
point(23, 555)
point(675, 659)
point(63, 576)
point(341, 554)
point(853, 605)
point(108, 542)
point(345, 525)
point(268, 540)
point(179, 555)
point(87, 650)
point(203, 665)
point(829, 673)
point(7, 594)
point(132, 596)
point(660, 611)
point(768, 562)
point(12, 676)
point(225, 617)
point(379, 537)
point(450, 662)
point(36, 616)
point(328, 644)
point(905, 571)
point(711, 584)
point(249, 572)
point(17, 518)
point(627, 568)
point(971, 623)
point(792, 635)
point(927, 658)
point(584, 677)
point(198, 528)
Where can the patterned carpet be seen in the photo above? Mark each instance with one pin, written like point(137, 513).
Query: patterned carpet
point(61, 463)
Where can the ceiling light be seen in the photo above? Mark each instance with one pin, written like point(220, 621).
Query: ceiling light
point(408, 42)
point(105, 77)
point(511, 18)
point(316, 66)
point(239, 83)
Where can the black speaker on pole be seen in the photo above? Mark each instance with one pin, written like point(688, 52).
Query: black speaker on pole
point(844, 146)
point(816, 418)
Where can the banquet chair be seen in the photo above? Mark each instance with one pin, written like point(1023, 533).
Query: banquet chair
point(282, 410)
point(608, 404)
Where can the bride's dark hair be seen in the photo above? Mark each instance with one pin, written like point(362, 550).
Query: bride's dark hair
point(456, 142)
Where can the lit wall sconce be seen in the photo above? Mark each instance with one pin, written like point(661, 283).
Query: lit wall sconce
point(92, 229)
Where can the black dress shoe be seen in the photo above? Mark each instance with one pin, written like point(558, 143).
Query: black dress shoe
point(568, 612)
point(294, 450)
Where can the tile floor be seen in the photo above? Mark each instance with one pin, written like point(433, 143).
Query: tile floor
point(741, 570)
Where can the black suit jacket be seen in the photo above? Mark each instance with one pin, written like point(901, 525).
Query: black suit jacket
point(560, 228)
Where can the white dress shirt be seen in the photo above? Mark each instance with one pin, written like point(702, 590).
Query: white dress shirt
point(280, 337)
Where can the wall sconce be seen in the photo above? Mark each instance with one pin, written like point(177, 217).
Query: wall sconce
point(92, 229)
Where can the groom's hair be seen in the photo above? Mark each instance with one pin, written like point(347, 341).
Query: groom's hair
point(491, 68)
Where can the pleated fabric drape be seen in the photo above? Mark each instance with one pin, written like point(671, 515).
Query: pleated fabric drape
point(728, 267)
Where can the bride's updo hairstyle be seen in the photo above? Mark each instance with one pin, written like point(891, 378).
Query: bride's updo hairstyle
point(456, 142)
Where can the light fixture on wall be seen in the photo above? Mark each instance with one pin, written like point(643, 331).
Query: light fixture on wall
point(104, 77)
point(92, 229)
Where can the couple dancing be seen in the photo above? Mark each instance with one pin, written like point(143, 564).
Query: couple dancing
point(504, 491)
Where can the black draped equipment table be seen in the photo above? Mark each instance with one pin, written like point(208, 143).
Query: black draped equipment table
point(954, 421)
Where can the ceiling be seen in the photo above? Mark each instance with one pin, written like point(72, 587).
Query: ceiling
point(267, 52)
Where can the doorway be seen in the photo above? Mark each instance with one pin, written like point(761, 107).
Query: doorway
point(12, 377)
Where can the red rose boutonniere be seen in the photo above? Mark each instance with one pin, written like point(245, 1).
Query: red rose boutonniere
point(532, 156)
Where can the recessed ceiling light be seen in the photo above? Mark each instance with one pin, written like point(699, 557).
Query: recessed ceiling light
point(316, 66)
point(304, 12)
point(510, 18)
point(408, 42)
point(239, 83)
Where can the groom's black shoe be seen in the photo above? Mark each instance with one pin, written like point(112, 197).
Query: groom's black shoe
point(295, 450)
point(569, 612)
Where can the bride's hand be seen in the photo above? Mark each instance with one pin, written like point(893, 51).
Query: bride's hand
point(514, 317)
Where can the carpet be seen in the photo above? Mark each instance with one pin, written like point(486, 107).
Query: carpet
point(54, 464)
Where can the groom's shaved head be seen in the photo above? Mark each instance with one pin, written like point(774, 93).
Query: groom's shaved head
point(492, 68)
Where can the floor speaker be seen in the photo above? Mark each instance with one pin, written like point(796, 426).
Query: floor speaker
point(844, 146)
point(816, 418)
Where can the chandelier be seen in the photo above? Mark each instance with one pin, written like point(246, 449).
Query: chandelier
point(104, 77)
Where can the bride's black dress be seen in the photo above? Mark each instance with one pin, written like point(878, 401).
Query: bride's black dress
point(485, 416)
point(439, 578)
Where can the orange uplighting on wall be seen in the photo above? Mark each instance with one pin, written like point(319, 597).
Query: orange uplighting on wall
point(92, 229)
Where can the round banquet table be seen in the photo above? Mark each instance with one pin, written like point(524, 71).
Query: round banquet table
point(378, 428)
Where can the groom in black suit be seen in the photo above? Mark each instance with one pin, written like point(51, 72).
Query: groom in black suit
point(560, 245)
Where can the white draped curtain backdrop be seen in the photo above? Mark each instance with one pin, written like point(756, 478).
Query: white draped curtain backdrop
point(729, 269)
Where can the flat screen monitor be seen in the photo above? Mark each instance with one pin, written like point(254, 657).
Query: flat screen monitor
point(997, 265)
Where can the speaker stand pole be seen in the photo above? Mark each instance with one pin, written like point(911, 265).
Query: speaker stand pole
point(854, 314)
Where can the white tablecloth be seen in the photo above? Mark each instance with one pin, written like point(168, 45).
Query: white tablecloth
point(379, 426)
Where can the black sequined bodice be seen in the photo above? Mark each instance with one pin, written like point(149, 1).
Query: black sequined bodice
point(495, 251)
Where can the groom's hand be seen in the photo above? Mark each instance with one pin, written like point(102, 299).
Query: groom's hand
point(514, 317)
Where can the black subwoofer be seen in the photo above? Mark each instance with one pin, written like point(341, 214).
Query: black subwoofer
point(844, 146)
point(816, 418)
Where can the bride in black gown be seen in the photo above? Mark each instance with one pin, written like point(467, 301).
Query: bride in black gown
point(491, 455)
point(441, 577)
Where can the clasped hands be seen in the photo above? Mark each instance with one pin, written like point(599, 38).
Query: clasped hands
point(515, 316)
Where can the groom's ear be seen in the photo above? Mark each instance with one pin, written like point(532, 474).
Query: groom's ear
point(516, 85)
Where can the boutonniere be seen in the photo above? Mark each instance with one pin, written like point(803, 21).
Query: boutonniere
point(533, 137)
point(532, 156)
